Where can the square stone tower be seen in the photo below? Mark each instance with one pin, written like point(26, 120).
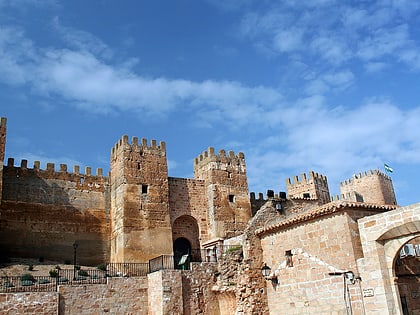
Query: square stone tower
point(226, 189)
point(3, 121)
point(140, 221)
point(313, 187)
point(372, 186)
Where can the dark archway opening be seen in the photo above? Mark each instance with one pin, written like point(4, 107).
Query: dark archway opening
point(182, 253)
point(407, 273)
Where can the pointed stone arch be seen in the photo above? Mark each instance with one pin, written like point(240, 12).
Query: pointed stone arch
point(382, 237)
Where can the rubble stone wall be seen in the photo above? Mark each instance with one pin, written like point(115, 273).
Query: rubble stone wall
point(29, 303)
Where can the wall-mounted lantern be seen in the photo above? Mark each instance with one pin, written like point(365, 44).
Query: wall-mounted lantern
point(266, 272)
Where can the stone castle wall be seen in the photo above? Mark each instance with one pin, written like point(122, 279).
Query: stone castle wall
point(29, 303)
point(330, 244)
point(188, 210)
point(43, 212)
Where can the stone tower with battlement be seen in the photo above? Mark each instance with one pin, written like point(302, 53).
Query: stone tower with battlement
point(372, 186)
point(315, 186)
point(2, 150)
point(140, 221)
point(226, 189)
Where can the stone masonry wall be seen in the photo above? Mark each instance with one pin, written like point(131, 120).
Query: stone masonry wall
point(165, 292)
point(3, 121)
point(318, 248)
point(187, 198)
point(119, 296)
point(197, 287)
point(30, 303)
point(374, 186)
point(226, 188)
point(140, 201)
point(43, 212)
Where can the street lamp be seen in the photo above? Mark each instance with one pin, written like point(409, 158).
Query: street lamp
point(75, 245)
point(266, 271)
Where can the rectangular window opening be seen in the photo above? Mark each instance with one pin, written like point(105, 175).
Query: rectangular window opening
point(289, 258)
point(231, 198)
point(144, 189)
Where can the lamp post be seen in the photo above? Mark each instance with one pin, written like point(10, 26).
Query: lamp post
point(75, 245)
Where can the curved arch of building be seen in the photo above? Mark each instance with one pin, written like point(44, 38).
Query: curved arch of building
point(382, 237)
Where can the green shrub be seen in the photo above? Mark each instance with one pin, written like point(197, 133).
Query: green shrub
point(233, 249)
point(58, 267)
point(77, 267)
point(83, 273)
point(53, 273)
point(31, 267)
point(27, 277)
point(102, 267)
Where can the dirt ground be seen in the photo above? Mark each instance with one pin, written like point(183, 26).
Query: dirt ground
point(17, 267)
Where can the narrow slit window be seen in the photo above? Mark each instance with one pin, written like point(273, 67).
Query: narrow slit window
point(144, 189)
point(231, 198)
point(289, 258)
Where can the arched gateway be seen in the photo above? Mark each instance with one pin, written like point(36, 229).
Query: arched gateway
point(384, 280)
point(185, 233)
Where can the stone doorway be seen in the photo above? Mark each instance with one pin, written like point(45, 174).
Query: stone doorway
point(407, 276)
point(182, 253)
point(382, 237)
point(185, 232)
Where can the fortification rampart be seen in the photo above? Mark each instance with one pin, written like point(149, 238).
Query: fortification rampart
point(43, 211)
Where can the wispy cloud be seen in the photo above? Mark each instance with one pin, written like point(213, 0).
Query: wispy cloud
point(335, 31)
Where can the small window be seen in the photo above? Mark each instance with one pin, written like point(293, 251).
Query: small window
point(289, 258)
point(231, 198)
point(144, 189)
point(138, 166)
point(229, 174)
point(306, 195)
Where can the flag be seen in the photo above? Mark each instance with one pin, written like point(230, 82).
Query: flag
point(388, 168)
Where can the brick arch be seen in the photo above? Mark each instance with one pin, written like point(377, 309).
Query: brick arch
point(186, 227)
point(382, 237)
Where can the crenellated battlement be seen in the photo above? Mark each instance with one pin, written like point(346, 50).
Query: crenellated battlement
point(311, 186)
point(313, 176)
point(220, 161)
point(3, 121)
point(362, 175)
point(123, 144)
point(50, 172)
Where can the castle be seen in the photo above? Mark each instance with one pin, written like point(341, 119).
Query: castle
point(138, 212)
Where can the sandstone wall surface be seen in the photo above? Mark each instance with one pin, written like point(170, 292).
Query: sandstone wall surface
point(317, 248)
point(119, 296)
point(29, 303)
point(43, 212)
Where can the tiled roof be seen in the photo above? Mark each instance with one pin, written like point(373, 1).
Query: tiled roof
point(326, 209)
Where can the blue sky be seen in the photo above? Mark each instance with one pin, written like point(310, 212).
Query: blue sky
point(324, 85)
